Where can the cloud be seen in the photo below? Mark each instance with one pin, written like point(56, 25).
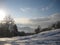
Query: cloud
point(22, 20)
point(46, 8)
point(25, 9)
point(26, 29)
point(46, 21)
point(55, 17)
point(49, 6)
point(43, 21)
point(28, 25)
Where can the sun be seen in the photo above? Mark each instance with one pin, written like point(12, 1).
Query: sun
point(2, 14)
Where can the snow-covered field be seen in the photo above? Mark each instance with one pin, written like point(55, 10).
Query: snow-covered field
point(44, 38)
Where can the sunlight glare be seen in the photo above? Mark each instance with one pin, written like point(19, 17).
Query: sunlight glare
point(7, 44)
point(2, 14)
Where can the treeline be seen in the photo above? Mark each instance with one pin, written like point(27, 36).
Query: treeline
point(8, 28)
point(53, 26)
point(22, 33)
point(6, 32)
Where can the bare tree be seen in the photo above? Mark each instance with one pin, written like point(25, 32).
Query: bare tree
point(8, 19)
point(9, 25)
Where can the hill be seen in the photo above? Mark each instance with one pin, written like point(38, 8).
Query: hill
point(44, 38)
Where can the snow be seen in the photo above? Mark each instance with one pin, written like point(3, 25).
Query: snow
point(44, 38)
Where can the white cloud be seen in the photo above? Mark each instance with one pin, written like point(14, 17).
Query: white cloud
point(25, 9)
point(43, 21)
point(29, 25)
point(49, 6)
point(22, 20)
point(46, 20)
point(26, 29)
point(45, 8)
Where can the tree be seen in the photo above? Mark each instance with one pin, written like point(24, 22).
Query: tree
point(38, 29)
point(8, 26)
point(15, 31)
point(56, 25)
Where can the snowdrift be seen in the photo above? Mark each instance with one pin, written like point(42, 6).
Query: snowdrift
point(44, 38)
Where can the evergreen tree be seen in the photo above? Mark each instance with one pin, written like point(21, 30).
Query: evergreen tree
point(56, 25)
point(38, 29)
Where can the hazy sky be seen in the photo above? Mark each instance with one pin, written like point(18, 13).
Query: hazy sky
point(32, 12)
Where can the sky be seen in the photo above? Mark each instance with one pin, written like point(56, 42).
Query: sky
point(32, 12)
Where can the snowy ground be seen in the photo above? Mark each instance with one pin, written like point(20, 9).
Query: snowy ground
point(45, 38)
